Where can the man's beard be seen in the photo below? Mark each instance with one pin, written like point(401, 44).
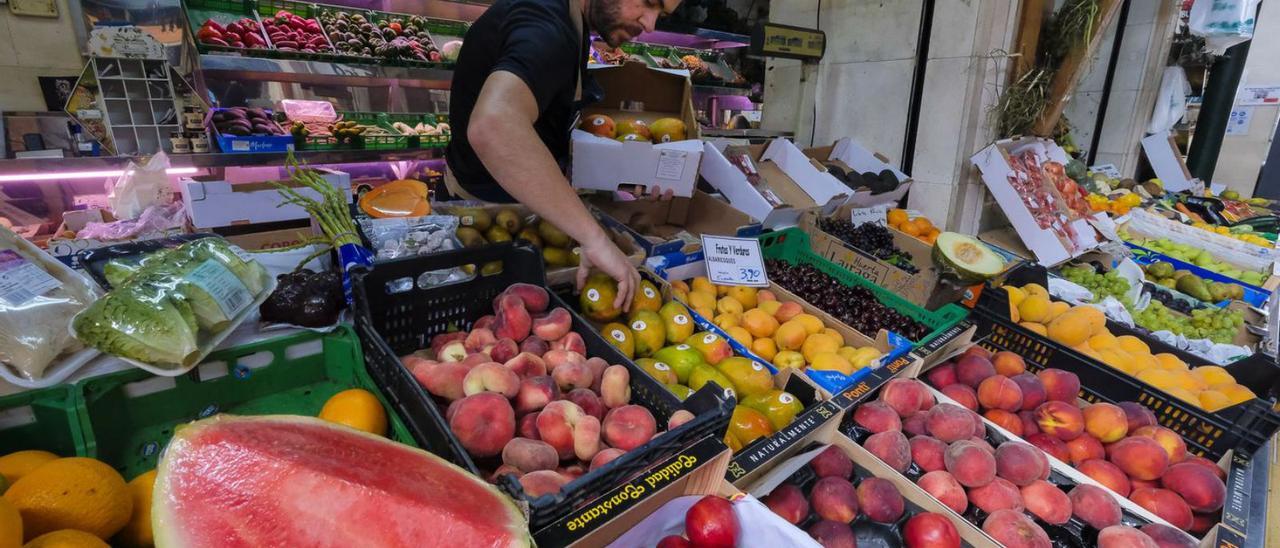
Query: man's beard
point(606, 20)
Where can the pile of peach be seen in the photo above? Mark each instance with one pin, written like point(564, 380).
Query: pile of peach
point(1120, 446)
point(836, 502)
point(780, 332)
point(960, 468)
point(521, 387)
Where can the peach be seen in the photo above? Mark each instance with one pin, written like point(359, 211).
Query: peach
point(975, 350)
point(443, 380)
point(1059, 385)
point(535, 393)
point(984, 445)
point(479, 339)
point(891, 447)
point(553, 325)
point(513, 320)
point(412, 361)
point(949, 422)
point(483, 423)
point(1199, 487)
point(880, 500)
point(1000, 494)
point(485, 322)
point(1060, 419)
point(1029, 425)
point(999, 392)
point(877, 417)
point(941, 485)
point(535, 299)
point(1135, 484)
point(1212, 466)
point(438, 342)
point(1033, 393)
point(1054, 447)
point(1105, 421)
point(915, 425)
point(588, 401)
point(572, 342)
point(1008, 364)
point(1109, 475)
point(906, 396)
point(556, 424)
point(529, 455)
point(832, 462)
point(629, 427)
point(504, 350)
point(973, 369)
point(788, 502)
point(605, 456)
point(1085, 447)
point(1202, 523)
point(787, 311)
point(942, 376)
point(1019, 463)
point(1094, 506)
point(930, 529)
point(1005, 420)
point(615, 386)
point(927, 453)
point(1168, 537)
point(830, 534)
point(1166, 504)
point(963, 395)
point(476, 358)
point(971, 465)
point(1139, 457)
point(1123, 536)
point(542, 482)
point(678, 418)
point(573, 375)
point(1014, 530)
point(1172, 443)
point(586, 438)
point(504, 469)
point(454, 351)
point(557, 357)
point(491, 377)
point(979, 427)
point(834, 499)
point(535, 346)
point(528, 426)
point(526, 365)
point(1047, 502)
point(597, 365)
point(573, 471)
point(1137, 415)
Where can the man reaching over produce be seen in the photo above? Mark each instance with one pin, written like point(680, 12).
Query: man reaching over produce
point(517, 91)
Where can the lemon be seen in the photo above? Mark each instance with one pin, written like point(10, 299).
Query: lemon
point(66, 538)
point(138, 531)
point(357, 408)
point(72, 493)
point(18, 464)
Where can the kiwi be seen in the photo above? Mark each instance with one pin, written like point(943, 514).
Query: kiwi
point(474, 217)
point(497, 234)
point(552, 235)
point(509, 220)
point(529, 234)
point(557, 257)
point(470, 237)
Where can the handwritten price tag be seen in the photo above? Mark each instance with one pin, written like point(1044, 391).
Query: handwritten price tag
point(734, 261)
point(876, 214)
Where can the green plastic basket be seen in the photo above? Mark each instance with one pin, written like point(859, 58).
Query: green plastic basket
point(41, 419)
point(395, 141)
point(128, 417)
point(792, 245)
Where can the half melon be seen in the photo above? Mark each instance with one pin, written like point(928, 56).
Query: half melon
point(232, 481)
point(966, 258)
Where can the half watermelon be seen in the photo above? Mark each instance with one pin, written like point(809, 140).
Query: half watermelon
point(293, 481)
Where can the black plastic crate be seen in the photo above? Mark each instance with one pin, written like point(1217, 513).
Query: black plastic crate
point(394, 324)
point(1243, 427)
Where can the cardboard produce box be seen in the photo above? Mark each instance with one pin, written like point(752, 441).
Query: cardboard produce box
point(673, 226)
point(213, 202)
point(783, 181)
point(633, 91)
point(850, 156)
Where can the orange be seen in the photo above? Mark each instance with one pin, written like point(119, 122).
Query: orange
point(923, 224)
point(356, 408)
point(909, 228)
point(930, 238)
point(72, 493)
point(897, 216)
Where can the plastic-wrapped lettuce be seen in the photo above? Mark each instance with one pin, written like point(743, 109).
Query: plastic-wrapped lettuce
point(170, 312)
point(38, 296)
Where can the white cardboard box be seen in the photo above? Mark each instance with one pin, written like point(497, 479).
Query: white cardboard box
point(1167, 163)
point(852, 154)
point(787, 172)
point(1048, 247)
point(606, 164)
point(212, 202)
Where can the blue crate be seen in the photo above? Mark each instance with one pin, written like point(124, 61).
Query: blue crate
point(235, 144)
point(1254, 295)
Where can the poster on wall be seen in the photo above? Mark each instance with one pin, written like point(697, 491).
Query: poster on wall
point(56, 90)
point(1259, 95)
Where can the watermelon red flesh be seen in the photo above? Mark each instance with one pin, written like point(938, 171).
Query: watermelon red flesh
point(299, 481)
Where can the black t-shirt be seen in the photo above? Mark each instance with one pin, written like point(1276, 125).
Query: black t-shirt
point(537, 41)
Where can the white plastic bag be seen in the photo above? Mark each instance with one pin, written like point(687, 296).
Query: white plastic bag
point(1223, 23)
point(1171, 102)
point(140, 187)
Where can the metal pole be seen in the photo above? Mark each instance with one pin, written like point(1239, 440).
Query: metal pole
point(1211, 125)
point(917, 85)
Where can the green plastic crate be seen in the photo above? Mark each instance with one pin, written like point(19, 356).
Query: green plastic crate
point(792, 245)
point(223, 12)
point(128, 417)
point(395, 141)
point(43, 419)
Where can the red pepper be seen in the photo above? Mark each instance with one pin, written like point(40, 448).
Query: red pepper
point(394, 26)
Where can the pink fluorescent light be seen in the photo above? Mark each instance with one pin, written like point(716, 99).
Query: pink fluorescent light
point(24, 177)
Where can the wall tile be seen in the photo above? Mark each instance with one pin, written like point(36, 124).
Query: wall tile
point(866, 101)
point(858, 30)
point(781, 94)
point(954, 22)
point(1132, 63)
point(1121, 117)
point(931, 199)
point(941, 119)
point(1082, 111)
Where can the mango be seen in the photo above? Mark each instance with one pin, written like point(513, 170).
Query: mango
point(676, 322)
point(648, 333)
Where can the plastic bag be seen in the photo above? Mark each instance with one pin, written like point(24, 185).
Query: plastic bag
point(396, 237)
point(155, 220)
point(1223, 23)
point(1171, 101)
point(38, 297)
point(140, 187)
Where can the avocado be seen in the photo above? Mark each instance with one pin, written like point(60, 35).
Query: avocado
point(886, 181)
point(966, 258)
point(1128, 184)
point(1153, 189)
point(837, 172)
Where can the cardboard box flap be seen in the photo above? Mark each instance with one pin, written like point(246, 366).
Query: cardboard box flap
point(1167, 162)
point(664, 90)
point(734, 186)
point(820, 186)
point(853, 155)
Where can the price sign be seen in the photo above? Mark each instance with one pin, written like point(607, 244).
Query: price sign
point(734, 261)
point(876, 214)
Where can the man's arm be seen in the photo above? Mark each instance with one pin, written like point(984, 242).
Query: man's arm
point(501, 133)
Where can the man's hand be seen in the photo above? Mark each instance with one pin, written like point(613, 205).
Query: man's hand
point(605, 256)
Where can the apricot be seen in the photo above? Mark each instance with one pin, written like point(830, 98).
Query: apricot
point(1060, 419)
point(759, 323)
point(1199, 488)
point(1000, 494)
point(1008, 364)
point(906, 396)
point(790, 335)
point(1047, 502)
point(963, 395)
point(1166, 504)
point(1094, 506)
point(810, 322)
point(1059, 385)
point(788, 502)
point(999, 392)
point(788, 311)
point(1020, 463)
point(880, 500)
point(834, 499)
point(941, 485)
point(832, 462)
point(891, 447)
point(1109, 475)
point(628, 427)
point(769, 307)
point(765, 348)
point(973, 369)
point(818, 343)
point(1054, 447)
point(483, 423)
point(942, 376)
point(877, 417)
point(1137, 415)
point(833, 334)
point(1014, 530)
point(1084, 448)
point(949, 423)
point(1174, 447)
point(1140, 457)
point(927, 452)
point(1005, 420)
point(1105, 421)
point(971, 465)
point(1123, 536)
point(831, 361)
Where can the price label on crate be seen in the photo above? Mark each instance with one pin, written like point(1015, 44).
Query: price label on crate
point(734, 261)
point(875, 214)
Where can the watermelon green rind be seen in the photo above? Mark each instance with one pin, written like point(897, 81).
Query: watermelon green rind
point(285, 480)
